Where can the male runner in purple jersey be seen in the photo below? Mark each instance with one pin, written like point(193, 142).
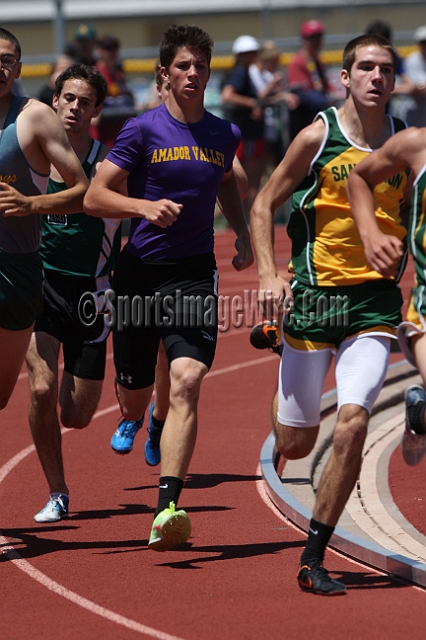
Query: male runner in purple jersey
point(176, 158)
point(123, 437)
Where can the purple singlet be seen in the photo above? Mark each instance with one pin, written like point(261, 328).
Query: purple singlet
point(182, 162)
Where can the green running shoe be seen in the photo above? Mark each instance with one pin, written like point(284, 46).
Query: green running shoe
point(169, 528)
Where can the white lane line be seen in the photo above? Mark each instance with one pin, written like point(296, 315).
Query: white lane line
point(242, 365)
point(26, 567)
point(45, 581)
point(221, 334)
point(24, 374)
point(57, 588)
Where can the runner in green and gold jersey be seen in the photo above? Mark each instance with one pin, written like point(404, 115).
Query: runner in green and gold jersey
point(405, 151)
point(335, 305)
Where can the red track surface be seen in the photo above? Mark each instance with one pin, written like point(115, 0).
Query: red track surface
point(408, 484)
point(234, 580)
point(408, 489)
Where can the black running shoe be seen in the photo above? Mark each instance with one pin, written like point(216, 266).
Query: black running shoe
point(265, 335)
point(315, 578)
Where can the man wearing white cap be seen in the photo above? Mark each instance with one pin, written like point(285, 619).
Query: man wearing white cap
point(245, 111)
point(415, 67)
point(306, 76)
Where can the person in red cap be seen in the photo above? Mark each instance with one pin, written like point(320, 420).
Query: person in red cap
point(307, 78)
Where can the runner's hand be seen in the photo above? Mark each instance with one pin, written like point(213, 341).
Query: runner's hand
point(13, 203)
point(275, 297)
point(384, 253)
point(163, 212)
point(244, 258)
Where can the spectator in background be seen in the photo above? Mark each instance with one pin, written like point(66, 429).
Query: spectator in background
point(415, 68)
point(383, 29)
point(403, 86)
point(119, 96)
point(48, 90)
point(269, 83)
point(84, 44)
point(157, 92)
point(306, 76)
point(110, 66)
point(242, 107)
point(264, 72)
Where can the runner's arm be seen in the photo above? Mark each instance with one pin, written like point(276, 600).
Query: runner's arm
point(53, 144)
point(241, 177)
point(103, 199)
point(292, 170)
point(232, 208)
point(383, 251)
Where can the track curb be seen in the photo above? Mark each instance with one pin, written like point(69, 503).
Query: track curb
point(343, 541)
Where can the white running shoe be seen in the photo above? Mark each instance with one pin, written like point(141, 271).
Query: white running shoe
point(54, 510)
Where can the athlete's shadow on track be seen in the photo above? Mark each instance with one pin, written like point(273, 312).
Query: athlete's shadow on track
point(209, 480)
point(229, 552)
point(368, 579)
point(352, 579)
point(205, 481)
point(30, 545)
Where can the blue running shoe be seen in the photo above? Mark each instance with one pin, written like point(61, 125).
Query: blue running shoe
point(152, 444)
point(54, 510)
point(413, 442)
point(123, 438)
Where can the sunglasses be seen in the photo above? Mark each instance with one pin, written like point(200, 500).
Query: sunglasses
point(8, 60)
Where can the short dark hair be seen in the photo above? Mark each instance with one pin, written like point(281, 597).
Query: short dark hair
point(85, 72)
point(6, 35)
point(185, 35)
point(366, 40)
point(381, 28)
point(108, 42)
point(157, 74)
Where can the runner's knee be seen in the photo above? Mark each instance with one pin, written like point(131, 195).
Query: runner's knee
point(186, 380)
point(295, 442)
point(43, 392)
point(351, 431)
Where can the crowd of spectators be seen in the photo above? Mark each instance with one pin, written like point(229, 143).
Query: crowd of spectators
point(270, 103)
point(102, 52)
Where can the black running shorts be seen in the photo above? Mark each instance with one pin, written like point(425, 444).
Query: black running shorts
point(175, 301)
point(84, 343)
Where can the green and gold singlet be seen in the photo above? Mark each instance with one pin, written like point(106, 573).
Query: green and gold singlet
point(417, 244)
point(327, 249)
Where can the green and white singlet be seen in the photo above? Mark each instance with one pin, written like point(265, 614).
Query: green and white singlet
point(97, 239)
